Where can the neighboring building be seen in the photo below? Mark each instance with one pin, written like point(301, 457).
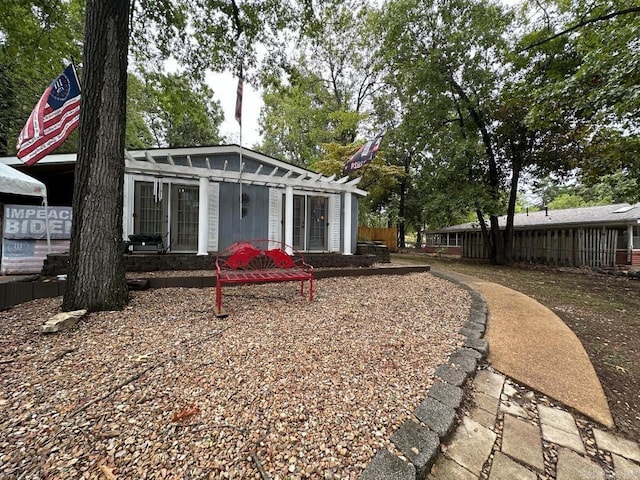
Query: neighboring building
point(601, 236)
point(200, 201)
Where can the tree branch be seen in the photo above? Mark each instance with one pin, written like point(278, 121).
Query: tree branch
point(581, 24)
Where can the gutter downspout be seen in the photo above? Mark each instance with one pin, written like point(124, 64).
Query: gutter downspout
point(629, 244)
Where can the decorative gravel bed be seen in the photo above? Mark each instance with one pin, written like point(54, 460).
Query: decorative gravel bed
point(282, 388)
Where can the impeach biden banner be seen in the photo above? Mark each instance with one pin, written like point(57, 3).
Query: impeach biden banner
point(30, 222)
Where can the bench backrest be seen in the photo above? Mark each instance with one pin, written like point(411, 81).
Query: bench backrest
point(259, 255)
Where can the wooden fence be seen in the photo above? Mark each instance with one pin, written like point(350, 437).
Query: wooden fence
point(388, 236)
point(592, 247)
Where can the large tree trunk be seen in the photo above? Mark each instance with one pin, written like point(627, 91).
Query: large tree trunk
point(511, 208)
point(402, 223)
point(498, 254)
point(401, 214)
point(96, 276)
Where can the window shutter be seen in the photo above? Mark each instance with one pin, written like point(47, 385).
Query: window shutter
point(335, 212)
point(214, 216)
point(275, 214)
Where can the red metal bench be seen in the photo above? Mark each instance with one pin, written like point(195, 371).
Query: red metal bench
point(260, 261)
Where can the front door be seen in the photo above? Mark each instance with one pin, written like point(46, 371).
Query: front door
point(184, 217)
point(317, 223)
point(309, 223)
point(151, 209)
point(168, 210)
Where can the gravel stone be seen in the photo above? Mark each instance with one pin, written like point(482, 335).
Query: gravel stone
point(163, 389)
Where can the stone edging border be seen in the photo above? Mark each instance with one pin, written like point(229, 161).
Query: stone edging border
point(418, 439)
point(31, 287)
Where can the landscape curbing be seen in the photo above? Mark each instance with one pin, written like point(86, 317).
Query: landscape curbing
point(418, 439)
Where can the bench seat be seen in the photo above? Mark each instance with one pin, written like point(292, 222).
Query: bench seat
point(260, 261)
point(264, 276)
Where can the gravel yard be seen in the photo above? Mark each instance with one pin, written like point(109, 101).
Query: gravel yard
point(281, 389)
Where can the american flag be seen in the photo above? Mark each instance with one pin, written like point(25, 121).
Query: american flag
point(20, 257)
point(54, 117)
point(239, 99)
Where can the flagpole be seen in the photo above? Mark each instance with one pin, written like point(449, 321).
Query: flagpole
point(239, 120)
point(46, 223)
point(240, 170)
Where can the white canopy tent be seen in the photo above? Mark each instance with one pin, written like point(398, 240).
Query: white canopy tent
point(17, 183)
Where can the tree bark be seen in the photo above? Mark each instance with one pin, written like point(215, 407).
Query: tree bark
point(402, 223)
point(96, 276)
point(511, 207)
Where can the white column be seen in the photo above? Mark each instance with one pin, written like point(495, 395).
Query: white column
point(129, 199)
point(629, 244)
point(288, 215)
point(346, 249)
point(203, 216)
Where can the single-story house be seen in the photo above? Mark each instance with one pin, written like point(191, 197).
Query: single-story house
point(602, 236)
point(202, 199)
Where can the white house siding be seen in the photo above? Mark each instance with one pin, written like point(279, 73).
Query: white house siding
point(263, 178)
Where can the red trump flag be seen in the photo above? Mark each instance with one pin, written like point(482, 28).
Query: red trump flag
point(363, 156)
point(54, 117)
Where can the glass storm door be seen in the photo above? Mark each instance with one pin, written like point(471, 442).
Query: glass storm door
point(184, 217)
point(150, 209)
point(317, 214)
point(309, 222)
point(298, 222)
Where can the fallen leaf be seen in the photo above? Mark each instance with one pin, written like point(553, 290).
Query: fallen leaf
point(190, 411)
point(108, 472)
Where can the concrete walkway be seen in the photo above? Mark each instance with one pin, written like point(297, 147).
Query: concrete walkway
point(537, 411)
point(532, 345)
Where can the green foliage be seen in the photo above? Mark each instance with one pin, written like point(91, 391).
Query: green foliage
point(444, 60)
point(37, 38)
point(588, 79)
point(212, 34)
point(297, 118)
point(180, 112)
point(567, 200)
point(320, 94)
point(617, 187)
point(138, 134)
point(378, 178)
point(477, 111)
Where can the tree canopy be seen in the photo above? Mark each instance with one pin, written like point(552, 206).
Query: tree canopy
point(475, 97)
point(36, 37)
point(480, 111)
point(171, 110)
point(322, 93)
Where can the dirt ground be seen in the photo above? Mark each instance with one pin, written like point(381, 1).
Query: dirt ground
point(603, 310)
